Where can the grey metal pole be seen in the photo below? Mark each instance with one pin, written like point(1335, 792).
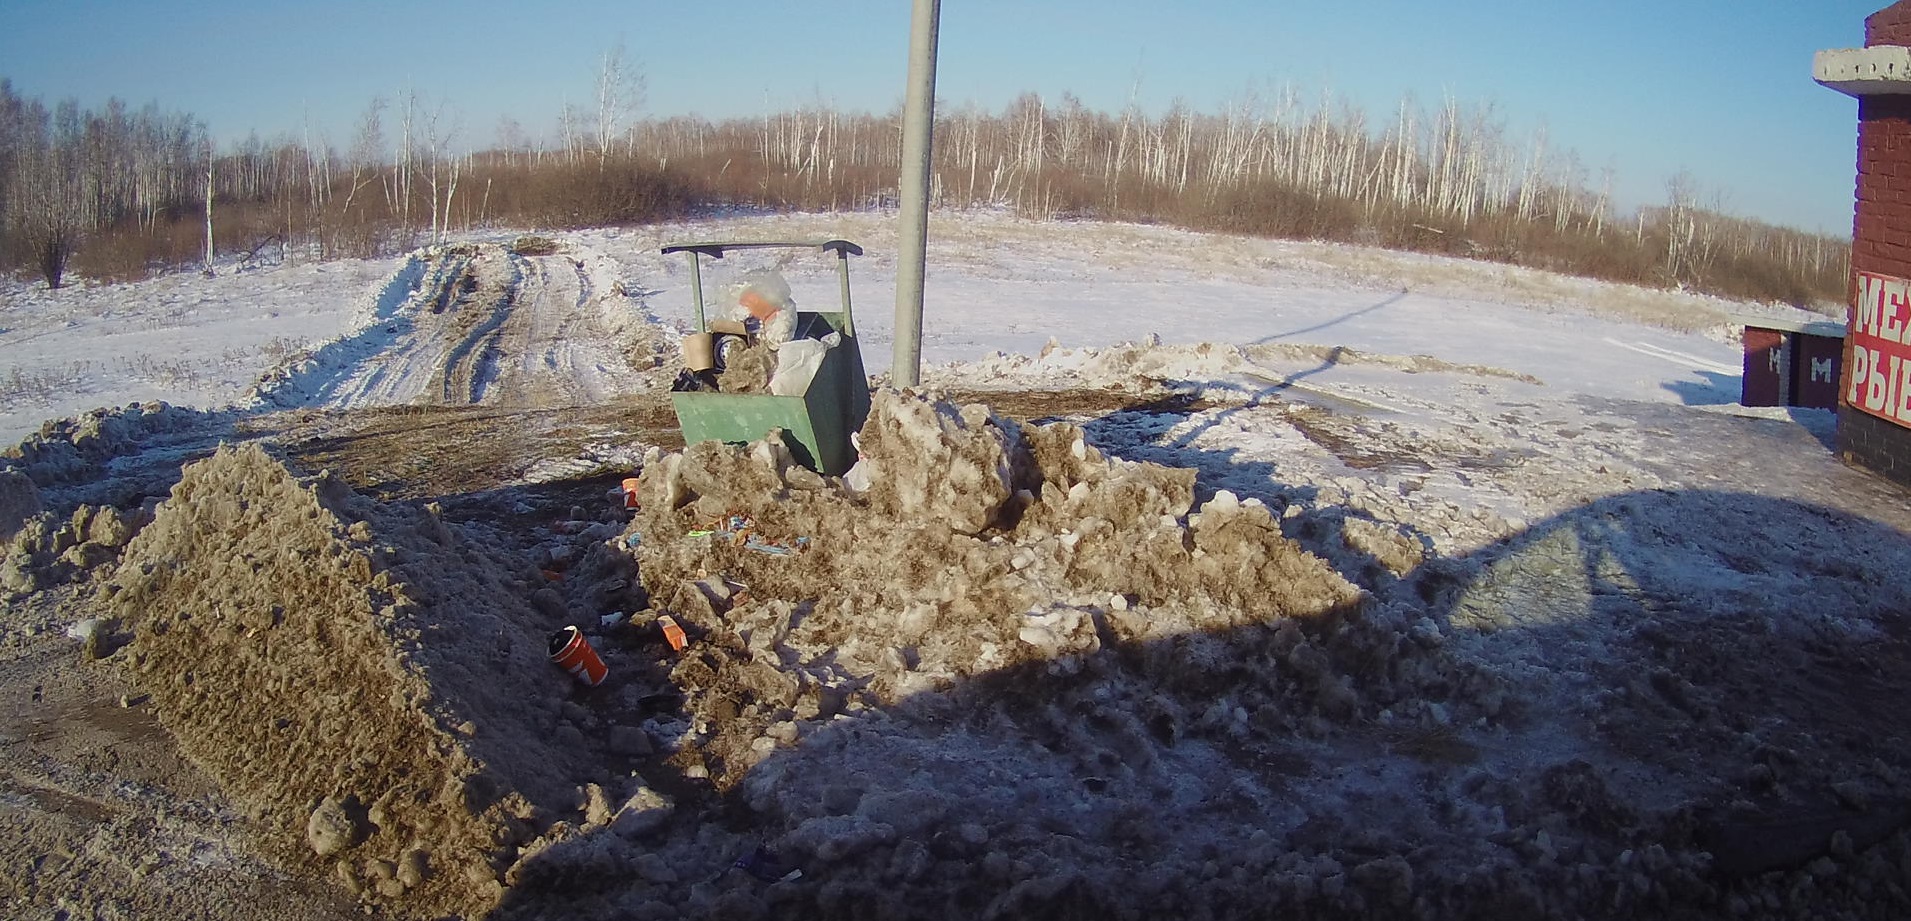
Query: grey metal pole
point(696, 289)
point(918, 146)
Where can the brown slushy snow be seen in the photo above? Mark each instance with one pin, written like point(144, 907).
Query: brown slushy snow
point(354, 673)
point(373, 684)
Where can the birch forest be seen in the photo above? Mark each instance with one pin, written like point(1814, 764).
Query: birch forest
point(119, 192)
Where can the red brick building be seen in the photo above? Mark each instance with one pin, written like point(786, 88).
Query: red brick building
point(1874, 406)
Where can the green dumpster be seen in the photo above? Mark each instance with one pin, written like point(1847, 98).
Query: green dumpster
point(816, 424)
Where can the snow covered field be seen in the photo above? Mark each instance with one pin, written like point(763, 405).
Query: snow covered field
point(1526, 614)
point(996, 284)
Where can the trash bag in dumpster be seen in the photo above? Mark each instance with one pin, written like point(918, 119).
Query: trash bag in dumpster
point(817, 416)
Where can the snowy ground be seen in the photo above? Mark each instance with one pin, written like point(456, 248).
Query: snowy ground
point(1688, 615)
point(996, 284)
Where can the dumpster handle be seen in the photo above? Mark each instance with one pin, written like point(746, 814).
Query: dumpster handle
point(842, 248)
point(842, 279)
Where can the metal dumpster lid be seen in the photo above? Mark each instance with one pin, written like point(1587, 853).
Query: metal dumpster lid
point(716, 249)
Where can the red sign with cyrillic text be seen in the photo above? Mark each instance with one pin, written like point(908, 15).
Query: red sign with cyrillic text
point(1880, 381)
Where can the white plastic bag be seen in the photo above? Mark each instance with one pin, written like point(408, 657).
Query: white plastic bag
point(859, 477)
point(797, 362)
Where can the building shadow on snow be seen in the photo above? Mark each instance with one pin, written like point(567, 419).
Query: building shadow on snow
point(1821, 423)
point(1710, 389)
point(1725, 390)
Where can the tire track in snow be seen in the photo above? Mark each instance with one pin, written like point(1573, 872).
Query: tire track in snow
point(1684, 359)
point(480, 325)
point(554, 351)
point(541, 339)
point(389, 376)
point(471, 365)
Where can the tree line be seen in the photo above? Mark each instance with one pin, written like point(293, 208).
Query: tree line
point(121, 192)
point(68, 174)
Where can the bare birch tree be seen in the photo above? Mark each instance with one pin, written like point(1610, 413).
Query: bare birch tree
point(620, 88)
point(441, 168)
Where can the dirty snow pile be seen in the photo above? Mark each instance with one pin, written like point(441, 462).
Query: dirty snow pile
point(1015, 677)
point(982, 545)
point(108, 468)
point(355, 674)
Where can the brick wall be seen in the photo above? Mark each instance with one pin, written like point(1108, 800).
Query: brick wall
point(1889, 26)
point(1874, 444)
point(1881, 239)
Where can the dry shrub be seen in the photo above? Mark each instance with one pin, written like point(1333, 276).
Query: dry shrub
point(581, 194)
point(1274, 209)
point(137, 254)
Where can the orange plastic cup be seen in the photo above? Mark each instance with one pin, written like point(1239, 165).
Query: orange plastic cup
point(672, 632)
point(758, 305)
point(573, 653)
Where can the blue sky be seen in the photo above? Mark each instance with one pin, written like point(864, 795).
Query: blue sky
point(1644, 87)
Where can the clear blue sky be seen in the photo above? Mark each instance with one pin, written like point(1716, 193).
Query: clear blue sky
point(1721, 88)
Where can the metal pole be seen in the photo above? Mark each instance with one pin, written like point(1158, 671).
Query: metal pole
point(696, 289)
point(918, 146)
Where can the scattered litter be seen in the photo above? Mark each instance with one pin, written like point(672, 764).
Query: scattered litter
point(764, 864)
point(612, 619)
point(857, 478)
point(776, 549)
point(94, 634)
point(87, 629)
point(716, 587)
point(573, 653)
point(672, 632)
point(737, 527)
point(740, 531)
point(633, 540)
point(630, 493)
